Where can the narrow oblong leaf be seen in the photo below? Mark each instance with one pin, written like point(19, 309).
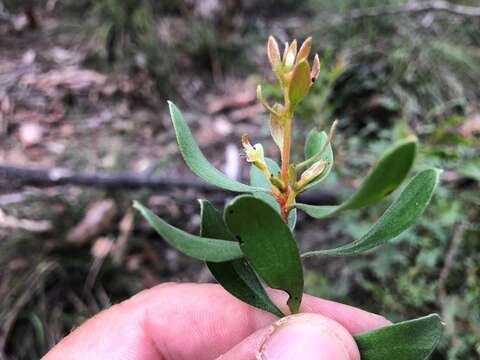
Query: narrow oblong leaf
point(198, 247)
point(300, 82)
point(403, 213)
point(236, 276)
point(268, 245)
point(195, 159)
point(408, 340)
point(292, 219)
point(314, 142)
point(313, 145)
point(384, 178)
point(318, 211)
point(257, 179)
point(387, 175)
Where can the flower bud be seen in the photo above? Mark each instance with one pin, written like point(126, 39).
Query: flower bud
point(259, 93)
point(315, 68)
point(290, 54)
point(304, 50)
point(273, 53)
point(254, 154)
point(285, 51)
point(275, 110)
point(311, 173)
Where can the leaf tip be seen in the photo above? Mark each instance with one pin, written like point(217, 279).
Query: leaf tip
point(203, 203)
point(137, 205)
point(439, 171)
point(172, 107)
point(412, 140)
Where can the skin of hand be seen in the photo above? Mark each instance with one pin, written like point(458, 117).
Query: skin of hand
point(202, 321)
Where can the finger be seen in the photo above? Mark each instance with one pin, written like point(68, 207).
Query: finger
point(214, 321)
point(353, 319)
point(185, 321)
point(302, 336)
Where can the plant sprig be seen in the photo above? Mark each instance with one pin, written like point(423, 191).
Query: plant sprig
point(295, 77)
point(254, 239)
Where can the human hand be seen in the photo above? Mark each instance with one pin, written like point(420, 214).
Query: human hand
point(202, 321)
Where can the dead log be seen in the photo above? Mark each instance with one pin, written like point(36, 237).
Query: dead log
point(412, 7)
point(49, 177)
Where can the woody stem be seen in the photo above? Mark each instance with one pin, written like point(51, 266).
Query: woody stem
point(285, 164)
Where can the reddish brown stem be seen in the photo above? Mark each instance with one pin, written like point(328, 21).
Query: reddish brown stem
point(284, 170)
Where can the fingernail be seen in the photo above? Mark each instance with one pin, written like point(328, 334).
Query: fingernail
point(304, 341)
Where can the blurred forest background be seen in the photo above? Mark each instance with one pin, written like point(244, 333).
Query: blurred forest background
point(84, 125)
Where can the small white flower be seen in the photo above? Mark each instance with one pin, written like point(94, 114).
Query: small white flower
point(253, 153)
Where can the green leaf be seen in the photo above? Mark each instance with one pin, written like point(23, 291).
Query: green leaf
point(387, 175)
point(470, 168)
point(268, 245)
point(300, 82)
point(236, 276)
point(408, 340)
point(258, 179)
point(292, 219)
point(318, 211)
point(198, 247)
point(313, 145)
point(403, 213)
point(195, 159)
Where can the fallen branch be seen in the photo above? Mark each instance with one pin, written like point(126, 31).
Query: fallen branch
point(413, 7)
point(49, 177)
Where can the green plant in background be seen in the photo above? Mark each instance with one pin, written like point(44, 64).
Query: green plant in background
point(254, 238)
point(127, 25)
point(127, 31)
point(423, 64)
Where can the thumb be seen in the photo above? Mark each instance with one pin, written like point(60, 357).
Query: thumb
point(301, 336)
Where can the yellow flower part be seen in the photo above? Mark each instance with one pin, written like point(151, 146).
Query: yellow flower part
point(311, 173)
point(253, 153)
